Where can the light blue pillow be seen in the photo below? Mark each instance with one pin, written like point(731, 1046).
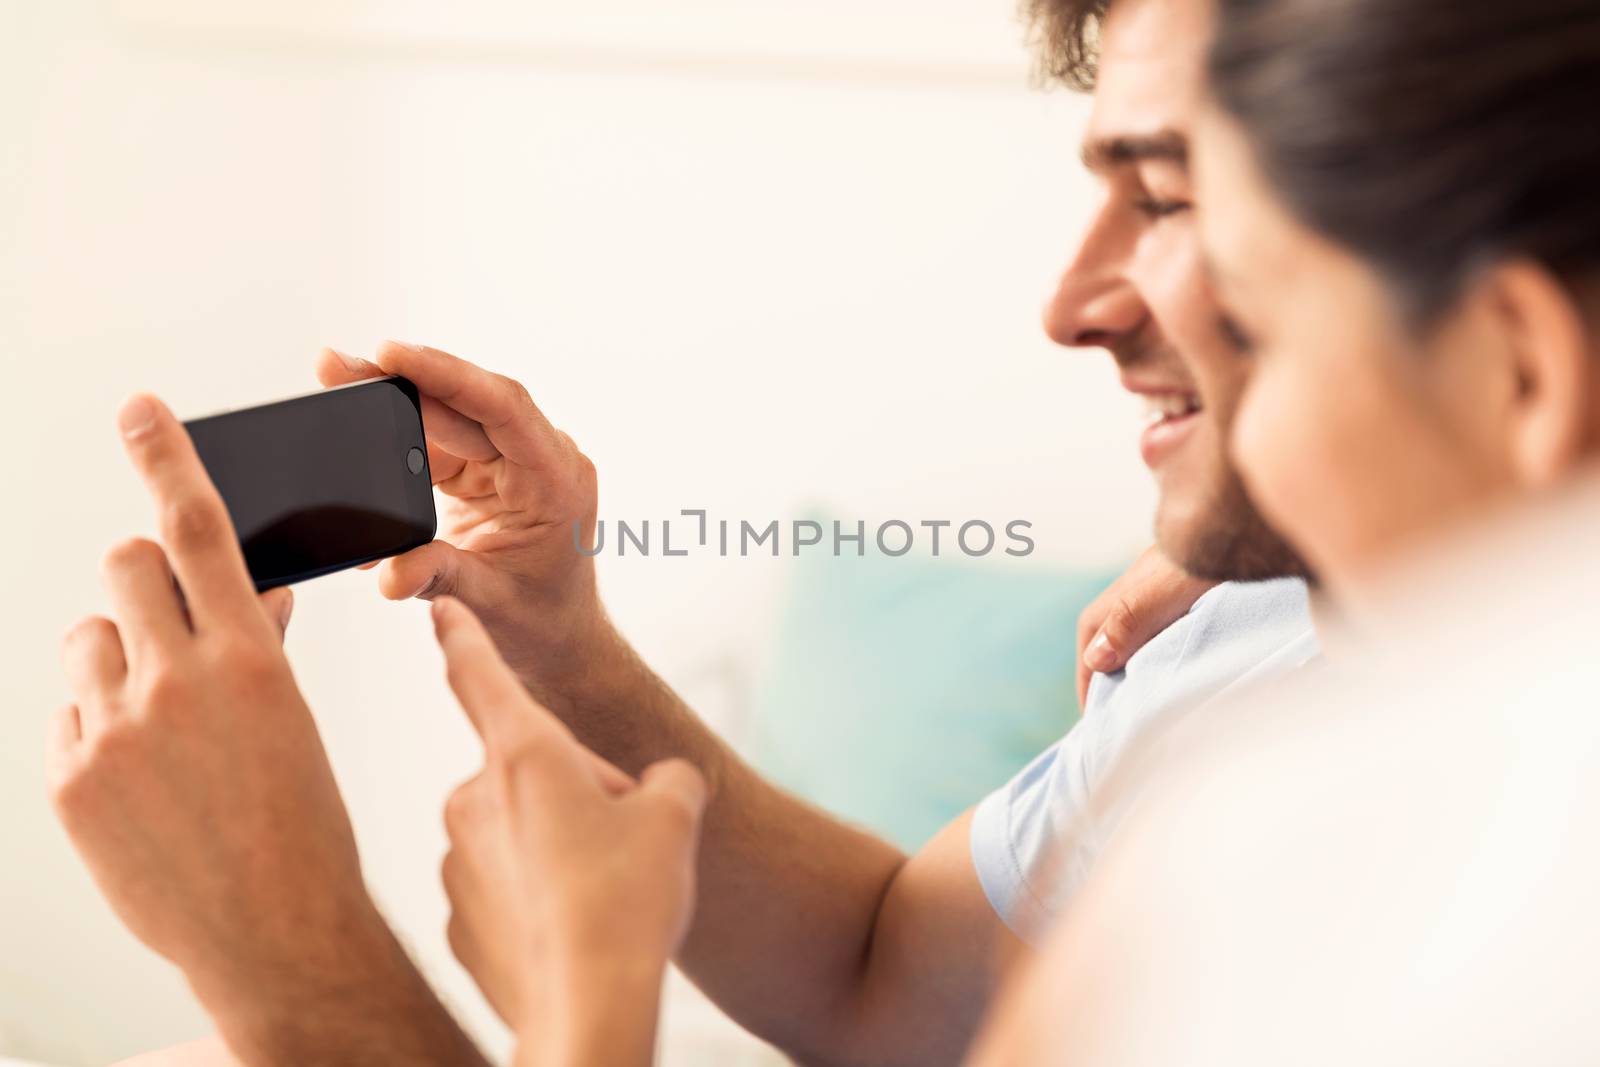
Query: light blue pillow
point(903, 690)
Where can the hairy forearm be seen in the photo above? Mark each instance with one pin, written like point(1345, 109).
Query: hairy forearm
point(788, 897)
point(373, 1008)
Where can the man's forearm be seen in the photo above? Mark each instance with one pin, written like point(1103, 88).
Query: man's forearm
point(788, 896)
point(375, 1008)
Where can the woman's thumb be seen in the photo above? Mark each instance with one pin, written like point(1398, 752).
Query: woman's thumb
point(676, 786)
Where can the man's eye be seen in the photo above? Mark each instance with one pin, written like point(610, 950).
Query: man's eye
point(1154, 208)
point(1234, 335)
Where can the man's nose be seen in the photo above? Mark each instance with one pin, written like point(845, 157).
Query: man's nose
point(1094, 303)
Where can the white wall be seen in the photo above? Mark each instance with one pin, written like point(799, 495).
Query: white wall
point(746, 274)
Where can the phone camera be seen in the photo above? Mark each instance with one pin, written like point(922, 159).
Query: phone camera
point(415, 461)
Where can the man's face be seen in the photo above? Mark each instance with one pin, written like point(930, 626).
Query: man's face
point(1137, 288)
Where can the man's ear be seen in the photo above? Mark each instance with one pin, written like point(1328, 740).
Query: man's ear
point(1547, 345)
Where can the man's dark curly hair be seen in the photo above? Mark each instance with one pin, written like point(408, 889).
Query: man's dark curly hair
point(1067, 34)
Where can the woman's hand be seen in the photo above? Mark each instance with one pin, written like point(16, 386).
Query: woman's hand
point(570, 884)
point(1153, 594)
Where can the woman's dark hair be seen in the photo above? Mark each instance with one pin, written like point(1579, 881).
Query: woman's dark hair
point(1432, 138)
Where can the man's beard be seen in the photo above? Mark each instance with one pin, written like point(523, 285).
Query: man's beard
point(1235, 544)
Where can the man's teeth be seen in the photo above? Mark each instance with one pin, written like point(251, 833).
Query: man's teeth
point(1164, 406)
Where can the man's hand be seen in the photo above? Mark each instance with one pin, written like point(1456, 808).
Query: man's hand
point(815, 935)
point(517, 489)
point(1152, 595)
point(571, 885)
point(191, 778)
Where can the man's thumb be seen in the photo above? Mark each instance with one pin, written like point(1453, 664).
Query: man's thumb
point(431, 571)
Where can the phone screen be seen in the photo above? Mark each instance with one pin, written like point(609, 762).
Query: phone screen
point(322, 482)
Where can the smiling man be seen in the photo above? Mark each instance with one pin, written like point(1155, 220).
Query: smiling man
point(825, 940)
point(1136, 288)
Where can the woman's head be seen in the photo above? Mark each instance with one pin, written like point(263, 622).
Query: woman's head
point(1403, 216)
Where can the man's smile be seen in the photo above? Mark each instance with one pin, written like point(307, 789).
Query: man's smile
point(1171, 416)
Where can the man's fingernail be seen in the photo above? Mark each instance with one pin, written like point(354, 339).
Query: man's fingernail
point(408, 345)
point(136, 417)
point(1099, 656)
point(285, 611)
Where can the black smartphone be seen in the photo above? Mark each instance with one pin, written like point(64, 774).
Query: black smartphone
point(325, 481)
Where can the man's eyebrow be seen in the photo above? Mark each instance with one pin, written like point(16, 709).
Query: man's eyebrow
point(1164, 146)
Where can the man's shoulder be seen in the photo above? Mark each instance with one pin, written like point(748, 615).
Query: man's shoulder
point(1242, 620)
point(1035, 840)
point(1235, 631)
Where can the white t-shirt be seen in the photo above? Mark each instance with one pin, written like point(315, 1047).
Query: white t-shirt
point(1035, 840)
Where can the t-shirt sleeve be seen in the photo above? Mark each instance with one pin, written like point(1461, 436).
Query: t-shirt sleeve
point(1030, 840)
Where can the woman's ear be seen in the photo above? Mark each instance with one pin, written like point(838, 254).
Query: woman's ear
point(1547, 344)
